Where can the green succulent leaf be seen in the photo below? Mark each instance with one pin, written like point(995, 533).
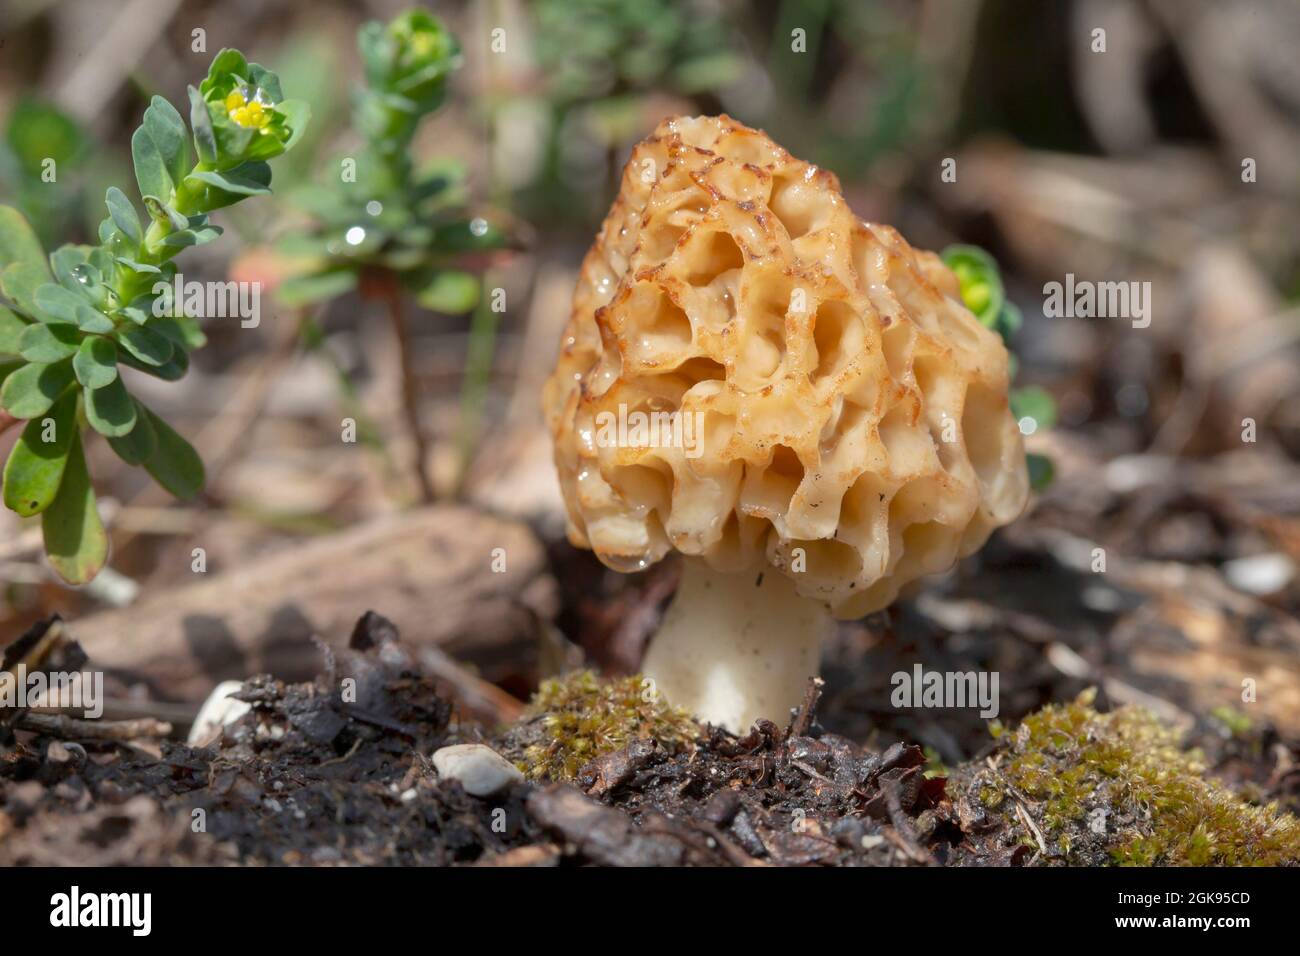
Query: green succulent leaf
point(303, 290)
point(49, 341)
point(20, 280)
point(32, 389)
point(250, 179)
point(297, 114)
point(95, 363)
point(140, 268)
point(64, 262)
point(75, 541)
point(227, 69)
point(162, 213)
point(452, 293)
point(205, 138)
point(61, 305)
point(174, 464)
point(123, 214)
point(184, 332)
point(151, 172)
point(110, 410)
point(163, 125)
point(146, 345)
point(268, 82)
point(35, 467)
point(192, 237)
point(137, 446)
point(18, 242)
point(173, 370)
point(12, 327)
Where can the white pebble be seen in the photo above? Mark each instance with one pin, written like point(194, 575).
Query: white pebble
point(219, 710)
point(1259, 573)
point(480, 769)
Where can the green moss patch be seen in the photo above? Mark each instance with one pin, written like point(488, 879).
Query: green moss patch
point(1117, 787)
point(573, 720)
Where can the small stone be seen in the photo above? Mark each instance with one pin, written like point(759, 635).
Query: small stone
point(218, 711)
point(480, 769)
point(1261, 574)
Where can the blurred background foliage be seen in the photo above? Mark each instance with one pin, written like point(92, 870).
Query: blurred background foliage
point(1125, 164)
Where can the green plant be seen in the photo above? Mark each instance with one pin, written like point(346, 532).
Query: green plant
point(1120, 785)
point(983, 293)
point(43, 146)
point(385, 228)
point(600, 62)
point(582, 717)
point(75, 318)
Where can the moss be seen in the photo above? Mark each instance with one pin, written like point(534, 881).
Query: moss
point(1119, 786)
point(1234, 721)
point(583, 718)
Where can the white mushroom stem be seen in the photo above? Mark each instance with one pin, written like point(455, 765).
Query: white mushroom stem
point(736, 647)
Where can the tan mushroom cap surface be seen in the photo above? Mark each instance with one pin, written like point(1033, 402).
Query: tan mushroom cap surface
point(825, 403)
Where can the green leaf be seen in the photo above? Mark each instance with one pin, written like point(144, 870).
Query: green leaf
point(95, 363)
point(32, 389)
point(302, 290)
point(18, 242)
point(184, 332)
point(151, 173)
point(192, 237)
point(144, 344)
point(20, 281)
point(205, 139)
point(160, 212)
point(167, 130)
point(11, 329)
point(1041, 471)
point(124, 215)
point(35, 467)
point(172, 370)
point(49, 341)
point(38, 131)
point(174, 464)
point(245, 180)
point(136, 447)
point(111, 410)
point(263, 79)
point(140, 268)
point(1036, 403)
point(61, 305)
point(64, 261)
point(979, 279)
point(226, 62)
point(8, 367)
point(297, 114)
point(75, 541)
point(450, 292)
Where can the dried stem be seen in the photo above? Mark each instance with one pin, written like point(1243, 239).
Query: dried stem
point(7, 421)
point(410, 403)
point(70, 728)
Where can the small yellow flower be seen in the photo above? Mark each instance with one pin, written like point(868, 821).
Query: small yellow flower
point(251, 114)
point(421, 44)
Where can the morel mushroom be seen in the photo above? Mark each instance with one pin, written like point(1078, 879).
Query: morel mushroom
point(794, 399)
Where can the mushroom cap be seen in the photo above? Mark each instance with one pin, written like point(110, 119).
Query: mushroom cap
point(810, 381)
